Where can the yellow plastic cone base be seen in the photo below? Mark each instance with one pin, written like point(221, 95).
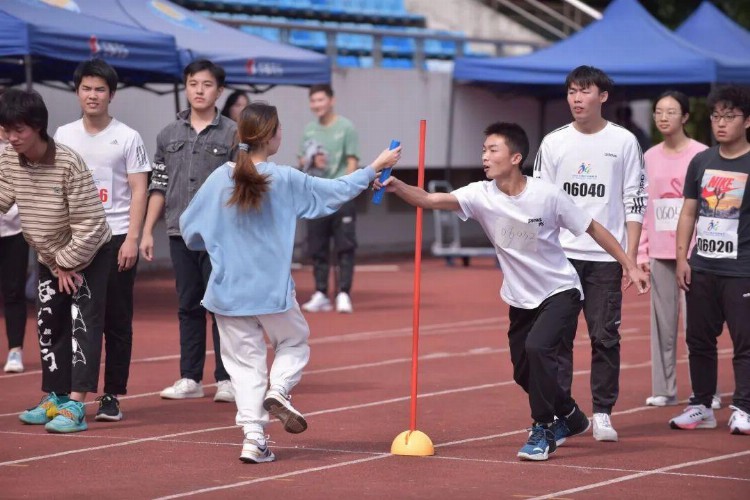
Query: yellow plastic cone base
point(413, 444)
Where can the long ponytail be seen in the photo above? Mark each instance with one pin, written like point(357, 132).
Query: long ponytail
point(258, 125)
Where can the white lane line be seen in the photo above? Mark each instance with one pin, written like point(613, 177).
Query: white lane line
point(111, 445)
point(434, 329)
point(642, 474)
point(426, 330)
point(663, 470)
point(335, 410)
point(583, 467)
point(276, 477)
point(426, 357)
point(309, 414)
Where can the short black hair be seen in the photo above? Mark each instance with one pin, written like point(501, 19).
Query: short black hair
point(678, 96)
point(96, 67)
point(205, 65)
point(321, 87)
point(730, 96)
point(24, 107)
point(586, 76)
point(514, 135)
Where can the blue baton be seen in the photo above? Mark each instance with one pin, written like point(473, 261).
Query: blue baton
point(384, 174)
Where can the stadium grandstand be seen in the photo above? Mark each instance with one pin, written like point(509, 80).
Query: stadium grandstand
point(401, 34)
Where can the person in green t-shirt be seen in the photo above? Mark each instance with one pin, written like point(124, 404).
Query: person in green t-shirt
point(330, 149)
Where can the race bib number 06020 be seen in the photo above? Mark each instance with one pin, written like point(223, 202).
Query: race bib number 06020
point(717, 238)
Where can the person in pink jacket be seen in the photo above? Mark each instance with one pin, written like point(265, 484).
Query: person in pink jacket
point(666, 165)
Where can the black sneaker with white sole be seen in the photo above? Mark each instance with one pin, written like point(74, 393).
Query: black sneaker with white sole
point(109, 409)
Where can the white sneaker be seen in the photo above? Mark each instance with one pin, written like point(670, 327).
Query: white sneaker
point(739, 422)
point(603, 430)
point(224, 392)
point(14, 364)
point(279, 405)
point(256, 451)
point(716, 402)
point(694, 417)
point(183, 389)
point(317, 303)
point(344, 303)
point(661, 401)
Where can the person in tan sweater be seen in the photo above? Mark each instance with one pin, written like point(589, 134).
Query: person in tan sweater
point(63, 219)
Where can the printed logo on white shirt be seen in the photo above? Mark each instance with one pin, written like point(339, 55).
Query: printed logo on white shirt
point(587, 180)
point(719, 216)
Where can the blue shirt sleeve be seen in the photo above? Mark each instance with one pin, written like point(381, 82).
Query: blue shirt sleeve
point(315, 197)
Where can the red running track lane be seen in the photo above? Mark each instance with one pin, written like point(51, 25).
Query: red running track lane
point(355, 394)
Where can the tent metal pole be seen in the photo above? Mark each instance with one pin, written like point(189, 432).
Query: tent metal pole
point(28, 71)
point(176, 98)
point(449, 141)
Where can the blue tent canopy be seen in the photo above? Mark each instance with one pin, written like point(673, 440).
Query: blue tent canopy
point(56, 40)
point(711, 30)
point(247, 59)
point(636, 51)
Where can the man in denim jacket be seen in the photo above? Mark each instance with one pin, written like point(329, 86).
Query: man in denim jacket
point(187, 151)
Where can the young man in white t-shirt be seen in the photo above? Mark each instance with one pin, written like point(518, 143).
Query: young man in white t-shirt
point(523, 216)
point(117, 158)
point(600, 165)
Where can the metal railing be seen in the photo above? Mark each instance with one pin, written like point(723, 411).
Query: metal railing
point(571, 21)
point(419, 56)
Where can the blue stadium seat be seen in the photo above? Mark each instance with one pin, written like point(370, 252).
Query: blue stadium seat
point(353, 42)
point(307, 38)
point(397, 63)
point(397, 45)
point(348, 61)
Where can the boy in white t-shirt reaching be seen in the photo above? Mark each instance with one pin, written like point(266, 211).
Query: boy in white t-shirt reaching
point(523, 216)
point(117, 158)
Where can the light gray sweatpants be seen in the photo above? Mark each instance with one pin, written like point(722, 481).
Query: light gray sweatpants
point(666, 301)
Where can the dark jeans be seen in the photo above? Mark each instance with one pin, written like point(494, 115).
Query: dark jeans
point(711, 301)
point(118, 323)
point(192, 270)
point(602, 309)
point(535, 336)
point(76, 319)
point(341, 227)
point(14, 260)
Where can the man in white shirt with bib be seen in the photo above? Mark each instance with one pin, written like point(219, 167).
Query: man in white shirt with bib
point(600, 165)
point(117, 158)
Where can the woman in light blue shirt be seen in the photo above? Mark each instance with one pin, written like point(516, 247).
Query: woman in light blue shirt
point(245, 216)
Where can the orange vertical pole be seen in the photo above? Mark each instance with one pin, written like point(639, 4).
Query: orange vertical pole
point(417, 280)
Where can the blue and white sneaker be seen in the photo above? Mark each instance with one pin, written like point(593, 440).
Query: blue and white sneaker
point(540, 444)
point(44, 411)
point(560, 430)
point(574, 423)
point(71, 417)
point(256, 451)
